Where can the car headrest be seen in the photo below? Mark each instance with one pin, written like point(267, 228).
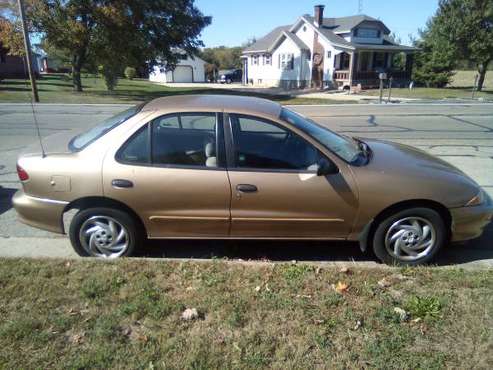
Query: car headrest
point(210, 150)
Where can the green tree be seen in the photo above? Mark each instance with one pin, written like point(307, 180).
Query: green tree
point(130, 73)
point(115, 33)
point(223, 57)
point(436, 61)
point(11, 36)
point(11, 28)
point(467, 25)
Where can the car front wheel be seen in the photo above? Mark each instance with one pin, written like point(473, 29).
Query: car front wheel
point(410, 237)
point(104, 232)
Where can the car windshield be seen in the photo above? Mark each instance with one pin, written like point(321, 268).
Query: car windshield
point(346, 148)
point(82, 140)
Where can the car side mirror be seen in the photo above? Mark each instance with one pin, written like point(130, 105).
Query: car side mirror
point(326, 167)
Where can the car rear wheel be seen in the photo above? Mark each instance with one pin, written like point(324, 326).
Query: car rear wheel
point(410, 237)
point(104, 232)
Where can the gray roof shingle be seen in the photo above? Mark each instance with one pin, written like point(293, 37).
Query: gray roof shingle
point(264, 43)
point(329, 29)
point(296, 40)
point(343, 24)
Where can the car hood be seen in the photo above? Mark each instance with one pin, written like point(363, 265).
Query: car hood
point(416, 174)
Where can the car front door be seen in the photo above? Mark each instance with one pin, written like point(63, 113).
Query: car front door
point(276, 192)
point(171, 172)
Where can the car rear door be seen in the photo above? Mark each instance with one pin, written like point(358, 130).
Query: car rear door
point(171, 172)
point(276, 192)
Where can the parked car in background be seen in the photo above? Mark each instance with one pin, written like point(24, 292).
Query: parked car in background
point(230, 75)
point(220, 167)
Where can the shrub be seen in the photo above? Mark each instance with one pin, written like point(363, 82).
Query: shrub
point(110, 76)
point(130, 73)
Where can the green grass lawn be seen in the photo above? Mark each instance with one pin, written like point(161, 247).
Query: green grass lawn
point(432, 93)
point(127, 314)
point(57, 88)
point(460, 88)
point(466, 79)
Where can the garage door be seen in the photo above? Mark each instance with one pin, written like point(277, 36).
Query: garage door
point(183, 74)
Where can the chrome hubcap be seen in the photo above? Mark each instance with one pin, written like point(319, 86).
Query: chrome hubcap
point(410, 238)
point(103, 236)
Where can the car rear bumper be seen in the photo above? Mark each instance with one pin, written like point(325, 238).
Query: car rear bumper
point(42, 213)
point(469, 222)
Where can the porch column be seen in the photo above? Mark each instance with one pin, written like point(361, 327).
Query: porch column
point(409, 64)
point(351, 67)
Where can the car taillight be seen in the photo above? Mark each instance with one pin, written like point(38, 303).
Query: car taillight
point(23, 176)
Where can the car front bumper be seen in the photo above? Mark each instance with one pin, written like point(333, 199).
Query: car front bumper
point(46, 214)
point(469, 222)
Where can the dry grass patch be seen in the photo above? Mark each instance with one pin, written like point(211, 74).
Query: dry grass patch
point(127, 314)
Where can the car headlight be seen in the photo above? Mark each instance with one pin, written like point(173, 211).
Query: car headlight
point(477, 200)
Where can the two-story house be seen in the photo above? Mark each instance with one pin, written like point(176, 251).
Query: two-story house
point(327, 52)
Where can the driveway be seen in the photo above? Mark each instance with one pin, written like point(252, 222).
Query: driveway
point(460, 134)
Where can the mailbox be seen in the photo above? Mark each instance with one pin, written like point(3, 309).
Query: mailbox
point(382, 76)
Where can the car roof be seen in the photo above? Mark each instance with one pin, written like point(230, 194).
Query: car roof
point(214, 103)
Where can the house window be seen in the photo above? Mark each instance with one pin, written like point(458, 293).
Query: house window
point(254, 60)
point(162, 70)
point(344, 60)
point(379, 61)
point(267, 59)
point(304, 28)
point(286, 61)
point(370, 33)
point(329, 54)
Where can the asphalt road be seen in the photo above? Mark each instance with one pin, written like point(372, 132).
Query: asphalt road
point(460, 134)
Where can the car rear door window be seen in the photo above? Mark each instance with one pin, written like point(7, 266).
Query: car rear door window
point(261, 144)
point(136, 149)
point(187, 139)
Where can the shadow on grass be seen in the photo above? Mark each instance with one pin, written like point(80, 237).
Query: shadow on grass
point(468, 89)
point(256, 250)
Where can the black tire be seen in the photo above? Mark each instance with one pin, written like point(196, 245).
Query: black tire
point(134, 234)
point(428, 214)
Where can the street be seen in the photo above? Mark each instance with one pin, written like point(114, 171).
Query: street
point(459, 134)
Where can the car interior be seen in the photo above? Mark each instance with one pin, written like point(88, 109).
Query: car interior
point(261, 144)
point(190, 140)
point(185, 140)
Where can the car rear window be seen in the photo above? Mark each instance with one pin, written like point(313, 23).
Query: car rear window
point(82, 140)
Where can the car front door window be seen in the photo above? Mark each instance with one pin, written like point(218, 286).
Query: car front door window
point(263, 145)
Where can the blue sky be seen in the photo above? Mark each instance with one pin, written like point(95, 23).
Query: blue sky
point(235, 21)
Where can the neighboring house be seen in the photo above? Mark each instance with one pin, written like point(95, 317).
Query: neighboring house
point(11, 66)
point(327, 52)
point(47, 64)
point(188, 69)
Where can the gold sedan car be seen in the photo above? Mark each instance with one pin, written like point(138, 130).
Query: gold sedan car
point(228, 167)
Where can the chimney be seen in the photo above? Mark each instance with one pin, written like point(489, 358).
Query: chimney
point(319, 15)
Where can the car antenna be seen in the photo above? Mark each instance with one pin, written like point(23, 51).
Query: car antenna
point(29, 73)
point(36, 124)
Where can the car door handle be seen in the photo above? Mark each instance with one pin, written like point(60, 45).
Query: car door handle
point(121, 183)
point(246, 188)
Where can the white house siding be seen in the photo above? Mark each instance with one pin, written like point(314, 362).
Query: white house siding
point(272, 75)
point(306, 33)
point(197, 65)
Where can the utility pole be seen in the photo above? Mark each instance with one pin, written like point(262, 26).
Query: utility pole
point(27, 45)
point(360, 7)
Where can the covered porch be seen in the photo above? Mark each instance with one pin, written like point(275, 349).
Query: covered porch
point(363, 66)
